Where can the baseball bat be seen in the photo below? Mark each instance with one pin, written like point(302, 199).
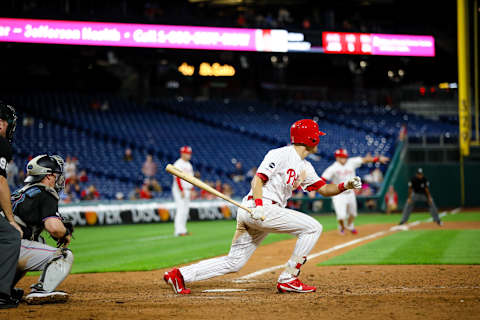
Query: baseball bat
point(202, 185)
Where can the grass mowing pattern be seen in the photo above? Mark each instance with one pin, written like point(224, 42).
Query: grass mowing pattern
point(150, 246)
point(153, 246)
point(416, 247)
point(464, 216)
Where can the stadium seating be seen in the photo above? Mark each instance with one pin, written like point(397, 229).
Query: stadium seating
point(97, 128)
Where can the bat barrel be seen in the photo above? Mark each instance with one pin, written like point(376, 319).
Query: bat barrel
point(202, 185)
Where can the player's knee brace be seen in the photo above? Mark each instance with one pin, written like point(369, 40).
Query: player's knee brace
point(56, 270)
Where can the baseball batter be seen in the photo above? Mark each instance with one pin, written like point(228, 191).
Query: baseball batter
point(181, 191)
point(343, 169)
point(281, 171)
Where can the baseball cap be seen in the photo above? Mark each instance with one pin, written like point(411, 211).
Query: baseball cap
point(186, 149)
point(342, 153)
point(420, 170)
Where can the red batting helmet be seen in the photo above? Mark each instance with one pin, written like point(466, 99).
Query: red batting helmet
point(186, 149)
point(305, 132)
point(341, 153)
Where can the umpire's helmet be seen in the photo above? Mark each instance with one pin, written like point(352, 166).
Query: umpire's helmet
point(43, 165)
point(7, 113)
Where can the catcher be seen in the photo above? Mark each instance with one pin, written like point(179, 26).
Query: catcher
point(35, 208)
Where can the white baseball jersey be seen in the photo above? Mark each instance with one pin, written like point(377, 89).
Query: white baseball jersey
point(337, 173)
point(282, 167)
point(186, 167)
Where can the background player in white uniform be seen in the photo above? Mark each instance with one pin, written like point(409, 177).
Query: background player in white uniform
point(281, 171)
point(342, 169)
point(181, 191)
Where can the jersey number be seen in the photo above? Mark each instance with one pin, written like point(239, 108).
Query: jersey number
point(3, 163)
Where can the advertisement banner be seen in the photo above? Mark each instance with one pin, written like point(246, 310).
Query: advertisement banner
point(147, 212)
point(141, 35)
point(402, 45)
point(208, 38)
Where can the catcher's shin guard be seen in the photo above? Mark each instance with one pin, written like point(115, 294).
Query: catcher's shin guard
point(56, 270)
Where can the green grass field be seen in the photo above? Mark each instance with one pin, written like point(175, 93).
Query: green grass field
point(416, 247)
point(153, 246)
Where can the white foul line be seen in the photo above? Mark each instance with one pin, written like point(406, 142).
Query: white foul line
point(340, 246)
point(312, 256)
point(223, 290)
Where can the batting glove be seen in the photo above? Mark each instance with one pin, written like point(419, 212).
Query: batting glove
point(258, 213)
point(354, 183)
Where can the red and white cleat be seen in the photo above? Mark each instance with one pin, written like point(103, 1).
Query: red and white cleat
point(295, 286)
point(354, 231)
point(175, 279)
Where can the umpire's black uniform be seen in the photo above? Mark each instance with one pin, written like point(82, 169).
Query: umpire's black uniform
point(9, 237)
point(418, 191)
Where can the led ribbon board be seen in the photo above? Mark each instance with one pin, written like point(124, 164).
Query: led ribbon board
point(206, 38)
point(378, 44)
point(141, 35)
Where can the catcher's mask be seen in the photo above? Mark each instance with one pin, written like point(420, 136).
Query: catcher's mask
point(43, 165)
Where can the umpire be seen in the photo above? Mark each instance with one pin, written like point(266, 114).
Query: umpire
point(418, 191)
point(10, 231)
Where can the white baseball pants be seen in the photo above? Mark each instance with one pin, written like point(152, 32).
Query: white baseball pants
point(182, 205)
point(250, 233)
point(345, 205)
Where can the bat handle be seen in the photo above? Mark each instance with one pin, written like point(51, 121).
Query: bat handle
point(250, 212)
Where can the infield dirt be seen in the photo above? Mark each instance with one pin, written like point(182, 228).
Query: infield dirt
point(343, 292)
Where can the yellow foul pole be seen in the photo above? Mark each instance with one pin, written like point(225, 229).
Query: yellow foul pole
point(475, 70)
point(464, 102)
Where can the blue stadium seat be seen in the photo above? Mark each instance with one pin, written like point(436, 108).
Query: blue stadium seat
point(219, 131)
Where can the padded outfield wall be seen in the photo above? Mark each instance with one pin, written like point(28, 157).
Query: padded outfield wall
point(444, 183)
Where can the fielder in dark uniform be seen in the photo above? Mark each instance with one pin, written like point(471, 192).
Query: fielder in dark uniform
point(10, 232)
point(418, 191)
point(35, 207)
